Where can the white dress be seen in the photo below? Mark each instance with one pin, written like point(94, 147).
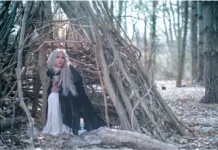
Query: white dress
point(54, 123)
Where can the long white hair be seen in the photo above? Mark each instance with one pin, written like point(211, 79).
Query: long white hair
point(66, 76)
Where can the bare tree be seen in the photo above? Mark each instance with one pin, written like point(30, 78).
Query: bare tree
point(170, 23)
point(112, 10)
point(200, 43)
point(210, 20)
point(182, 57)
point(120, 15)
point(173, 16)
point(152, 57)
point(194, 42)
point(165, 22)
point(179, 30)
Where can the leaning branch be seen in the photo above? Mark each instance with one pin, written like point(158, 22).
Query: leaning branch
point(19, 66)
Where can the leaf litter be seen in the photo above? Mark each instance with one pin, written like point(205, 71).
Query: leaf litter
point(200, 119)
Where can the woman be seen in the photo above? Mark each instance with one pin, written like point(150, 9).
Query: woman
point(67, 100)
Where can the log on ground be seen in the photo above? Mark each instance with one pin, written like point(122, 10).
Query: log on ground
point(118, 138)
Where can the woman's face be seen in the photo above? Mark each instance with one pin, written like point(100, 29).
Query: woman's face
point(59, 59)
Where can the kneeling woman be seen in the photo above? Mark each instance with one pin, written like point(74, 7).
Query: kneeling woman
point(67, 100)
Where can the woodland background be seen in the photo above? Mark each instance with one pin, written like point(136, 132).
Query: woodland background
point(121, 49)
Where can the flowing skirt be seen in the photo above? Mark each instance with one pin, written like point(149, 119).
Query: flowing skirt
point(54, 123)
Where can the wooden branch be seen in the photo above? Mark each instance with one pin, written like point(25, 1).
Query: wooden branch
point(134, 87)
point(118, 138)
point(67, 20)
point(90, 71)
point(44, 80)
point(83, 63)
point(129, 79)
point(42, 36)
point(2, 99)
point(8, 67)
point(37, 86)
point(103, 89)
point(19, 66)
point(175, 122)
point(2, 117)
point(42, 56)
point(126, 100)
point(108, 84)
point(65, 41)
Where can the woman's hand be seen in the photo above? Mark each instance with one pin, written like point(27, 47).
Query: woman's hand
point(55, 87)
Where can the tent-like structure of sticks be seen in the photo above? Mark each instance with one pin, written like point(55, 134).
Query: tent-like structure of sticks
point(114, 76)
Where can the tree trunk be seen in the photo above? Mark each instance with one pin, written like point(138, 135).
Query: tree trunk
point(152, 57)
point(210, 19)
point(200, 44)
point(174, 22)
point(146, 48)
point(170, 24)
point(45, 15)
point(194, 42)
point(118, 138)
point(120, 15)
point(125, 18)
point(182, 59)
point(112, 11)
point(44, 80)
point(164, 21)
point(37, 87)
point(179, 31)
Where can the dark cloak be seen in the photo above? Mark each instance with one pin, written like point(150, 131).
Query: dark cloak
point(75, 107)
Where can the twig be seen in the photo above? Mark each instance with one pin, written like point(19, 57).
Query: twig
point(8, 67)
point(84, 64)
point(66, 20)
point(13, 115)
point(103, 88)
point(2, 117)
point(2, 99)
point(64, 41)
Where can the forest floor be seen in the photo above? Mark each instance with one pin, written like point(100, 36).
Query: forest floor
point(201, 120)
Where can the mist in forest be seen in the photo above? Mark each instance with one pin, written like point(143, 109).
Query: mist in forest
point(165, 20)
